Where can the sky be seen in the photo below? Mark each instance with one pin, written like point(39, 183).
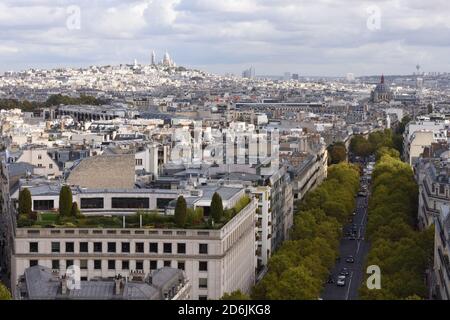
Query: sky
point(308, 37)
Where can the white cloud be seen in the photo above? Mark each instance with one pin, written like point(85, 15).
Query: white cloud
point(306, 36)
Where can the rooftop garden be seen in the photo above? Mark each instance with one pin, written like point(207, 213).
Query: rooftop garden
point(69, 216)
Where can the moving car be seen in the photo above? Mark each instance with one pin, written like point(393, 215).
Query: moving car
point(341, 281)
point(344, 272)
point(350, 259)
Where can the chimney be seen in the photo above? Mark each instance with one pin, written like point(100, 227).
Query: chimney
point(118, 281)
point(63, 285)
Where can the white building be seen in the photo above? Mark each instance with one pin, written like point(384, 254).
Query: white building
point(215, 261)
point(420, 134)
point(44, 164)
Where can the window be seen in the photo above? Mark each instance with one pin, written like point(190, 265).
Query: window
point(98, 247)
point(181, 248)
point(125, 265)
point(111, 247)
point(55, 247)
point(69, 263)
point(125, 247)
point(153, 265)
point(92, 203)
point(34, 247)
point(139, 265)
point(203, 266)
point(139, 247)
point(203, 248)
point(167, 263)
point(111, 264)
point(202, 297)
point(181, 265)
point(153, 247)
point(139, 162)
point(34, 263)
point(55, 264)
point(43, 205)
point(83, 264)
point(162, 203)
point(84, 247)
point(167, 247)
point(50, 166)
point(203, 283)
point(97, 264)
point(70, 247)
point(130, 203)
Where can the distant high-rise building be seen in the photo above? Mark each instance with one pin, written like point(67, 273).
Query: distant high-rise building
point(249, 73)
point(287, 76)
point(350, 77)
point(295, 76)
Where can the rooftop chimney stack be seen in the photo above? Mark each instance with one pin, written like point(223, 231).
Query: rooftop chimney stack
point(63, 285)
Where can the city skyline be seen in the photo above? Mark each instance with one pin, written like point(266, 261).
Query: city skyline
point(312, 38)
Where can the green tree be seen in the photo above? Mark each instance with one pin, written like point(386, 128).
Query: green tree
point(4, 292)
point(236, 295)
point(337, 153)
point(295, 283)
point(74, 210)
point(65, 201)
point(25, 201)
point(216, 207)
point(180, 212)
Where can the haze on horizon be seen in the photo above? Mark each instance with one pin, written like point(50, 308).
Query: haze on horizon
point(308, 37)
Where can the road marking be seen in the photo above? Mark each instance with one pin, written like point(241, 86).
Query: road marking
point(349, 285)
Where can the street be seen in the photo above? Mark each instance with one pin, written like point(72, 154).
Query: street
point(352, 245)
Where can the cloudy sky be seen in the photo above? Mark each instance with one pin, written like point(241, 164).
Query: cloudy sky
point(309, 37)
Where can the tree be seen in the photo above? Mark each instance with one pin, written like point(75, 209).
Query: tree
point(25, 201)
point(236, 295)
point(65, 201)
point(180, 212)
point(74, 211)
point(216, 207)
point(337, 153)
point(4, 292)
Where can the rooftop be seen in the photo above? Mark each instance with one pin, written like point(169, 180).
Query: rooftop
point(41, 283)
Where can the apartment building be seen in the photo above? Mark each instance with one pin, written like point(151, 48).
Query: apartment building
point(434, 188)
point(420, 134)
point(41, 160)
point(441, 278)
point(215, 261)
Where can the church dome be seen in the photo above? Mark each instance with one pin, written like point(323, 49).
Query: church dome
point(382, 87)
